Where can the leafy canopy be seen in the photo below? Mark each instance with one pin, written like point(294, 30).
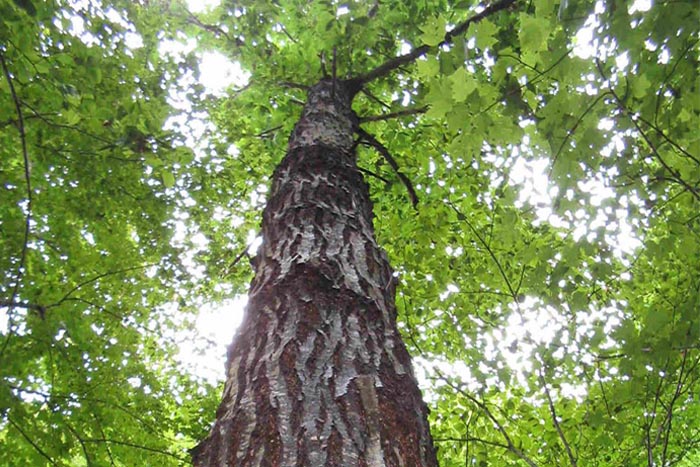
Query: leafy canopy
point(549, 280)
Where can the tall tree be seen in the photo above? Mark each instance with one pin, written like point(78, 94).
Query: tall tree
point(89, 267)
point(318, 373)
point(547, 284)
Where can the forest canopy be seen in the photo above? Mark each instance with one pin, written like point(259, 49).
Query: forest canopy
point(548, 274)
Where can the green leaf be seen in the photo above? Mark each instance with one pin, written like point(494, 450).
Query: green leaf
point(429, 67)
point(485, 32)
point(433, 31)
point(439, 98)
point(168, 178)
point(533, 33)
point(463, 84)
point(640, 86)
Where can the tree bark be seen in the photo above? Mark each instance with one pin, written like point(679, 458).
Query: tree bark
point(317, 374)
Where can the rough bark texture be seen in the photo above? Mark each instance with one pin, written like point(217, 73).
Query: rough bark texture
point(317, 374)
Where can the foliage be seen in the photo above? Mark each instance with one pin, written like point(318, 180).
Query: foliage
point(89, 266)
point(548, 280)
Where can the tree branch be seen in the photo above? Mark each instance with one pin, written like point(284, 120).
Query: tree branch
point(372, 141)
point(372, 174)
point(400, 113)
point(374, 98)
point(28, 183)
point(193, 19)
point(36, 447)
point(389, 66)
point(236, 260)
point(88, 460)
point(40, 309)
point(134, 445)
point(46, 120)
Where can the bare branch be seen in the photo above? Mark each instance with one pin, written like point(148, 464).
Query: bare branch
point(665, 137)
point(373, 174)
point(555, 420)
point(389, 116)
point(293, 85)
point(40, 309)
point(334, 70)
point(236, 260)
point(286, 33)
point(389, 66)
point(374, 98)
point(265, 133)
point(392, 162)
point(28, 184)
point(472, 438)
point(54, 124)
point(88, 460)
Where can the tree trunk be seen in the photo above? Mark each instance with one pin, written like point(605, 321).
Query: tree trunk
point(317, 374)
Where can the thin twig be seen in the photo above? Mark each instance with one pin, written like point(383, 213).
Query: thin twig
point(107, 448)
point(389, 66)
point(88, 460)
point(472, 438)
point(535, 80)
point(622, 107)
point(286, 33)
point(36, 447)
point(265, 133)
point(334, 69)
point(374, 98)
point(665, 137)
point(42, 117)
point(461, 216)
point(237, 259)
point(293, 85)
point(93, 279)
point(669, 412)
point(373, 174)
point(134, 445)
point(510, 445)
point(193, 19)
point(680, 59)
point(573, 129)
point(371, 140)
point(555, 420)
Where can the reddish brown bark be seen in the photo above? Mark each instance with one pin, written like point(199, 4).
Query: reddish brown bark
point(317, 373)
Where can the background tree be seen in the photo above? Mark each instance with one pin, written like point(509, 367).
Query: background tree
point(548, 283)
